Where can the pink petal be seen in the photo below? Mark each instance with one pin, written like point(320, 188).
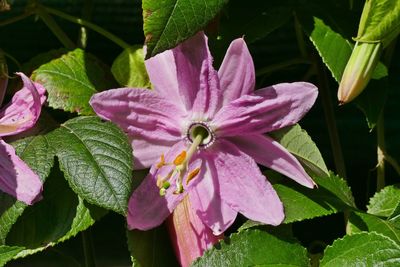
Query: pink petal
point(237, 75)
point(189, 236)
point(147, 209)
point(244, 188)
point(147, 151)
point(268, 152)
point(24, 109)
point(197, 76)
point(16, 178)
point(145, 116)
point(266, 110)
point(162, 73)
point(206, 200)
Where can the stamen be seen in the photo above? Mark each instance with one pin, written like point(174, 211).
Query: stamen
point(162, 161)
point(192, 175)
point(180, 158)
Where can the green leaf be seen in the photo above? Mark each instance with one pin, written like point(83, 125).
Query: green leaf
point(335, 50)
point(255, 248)
point(363, 249)
point(36, 152)
point(60, 215)
point(72, 79)
point(385, 201)
point(380, 21)
point(359, 221)
point(7, 253)
point(299, 143)
point(148, 248)
point(96, 158)
point(169, 22)
point(129, 69)
point(332, 195)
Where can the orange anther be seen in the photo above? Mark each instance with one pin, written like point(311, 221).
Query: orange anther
point(192, 174)
point(180, 158)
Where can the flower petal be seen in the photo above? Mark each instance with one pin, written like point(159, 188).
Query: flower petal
point(206, 200)
point(24, 109)
point(139, 111)
point(197, 76)
point(268, 152)
point(162, 73)
point(189, 236)
point(266, 110)
point(243, 187)
point(147, 209)
point(16, 178)
point(146, 151)
point(237, 75)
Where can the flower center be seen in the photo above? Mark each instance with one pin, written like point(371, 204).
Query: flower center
point(203, 129)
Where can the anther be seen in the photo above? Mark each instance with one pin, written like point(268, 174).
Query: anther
point(180, 158)
point(192, 175)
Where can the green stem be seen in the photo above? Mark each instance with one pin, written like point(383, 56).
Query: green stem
point(54, 27)
point(15, 19)
point(392, 162)
point(88, 248)
point(86, 15)
point(380, 167)
point(330, 120)
point(281, 65)
point(89, 25)
point(300, 37)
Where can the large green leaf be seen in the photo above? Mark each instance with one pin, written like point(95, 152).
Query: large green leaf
point(148, 248)
point(59, 216)
point(129, 69)
point(385, 201)
point(380, 21)
point(169, 22)
point(359, 221)
point(332, 195)
point(299, 143)
point(8, 253)
point(72, 79)
point(36, 152)
point(363, 249)
point(96, 158)
point(254, 247)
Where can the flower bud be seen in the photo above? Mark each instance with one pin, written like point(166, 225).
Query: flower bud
point(358, 71)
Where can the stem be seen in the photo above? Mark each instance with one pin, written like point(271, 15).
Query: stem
point(86, 15)
point(330, 121)
point(15, 19)
point(300, 37)
point(282, 65)
point(380, 167)
point(89, 25)
point(88, 249)
point(53, 26)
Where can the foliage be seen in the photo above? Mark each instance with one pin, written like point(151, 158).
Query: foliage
point(86, 164)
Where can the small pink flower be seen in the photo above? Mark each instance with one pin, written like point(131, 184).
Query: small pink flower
point(202, 133)
point(16, 178)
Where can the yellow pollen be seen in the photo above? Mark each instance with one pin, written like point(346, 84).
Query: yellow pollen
point(192, 175)
point(180, 158)
point(162, 162)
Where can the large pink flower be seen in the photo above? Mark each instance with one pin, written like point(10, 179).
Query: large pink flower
point(16, 178)
point(202, 133)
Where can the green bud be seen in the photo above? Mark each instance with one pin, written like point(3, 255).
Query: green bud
point(166, 185)
point(358, 71)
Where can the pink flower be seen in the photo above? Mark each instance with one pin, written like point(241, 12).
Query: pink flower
point(16, 178)
point(202, 133)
